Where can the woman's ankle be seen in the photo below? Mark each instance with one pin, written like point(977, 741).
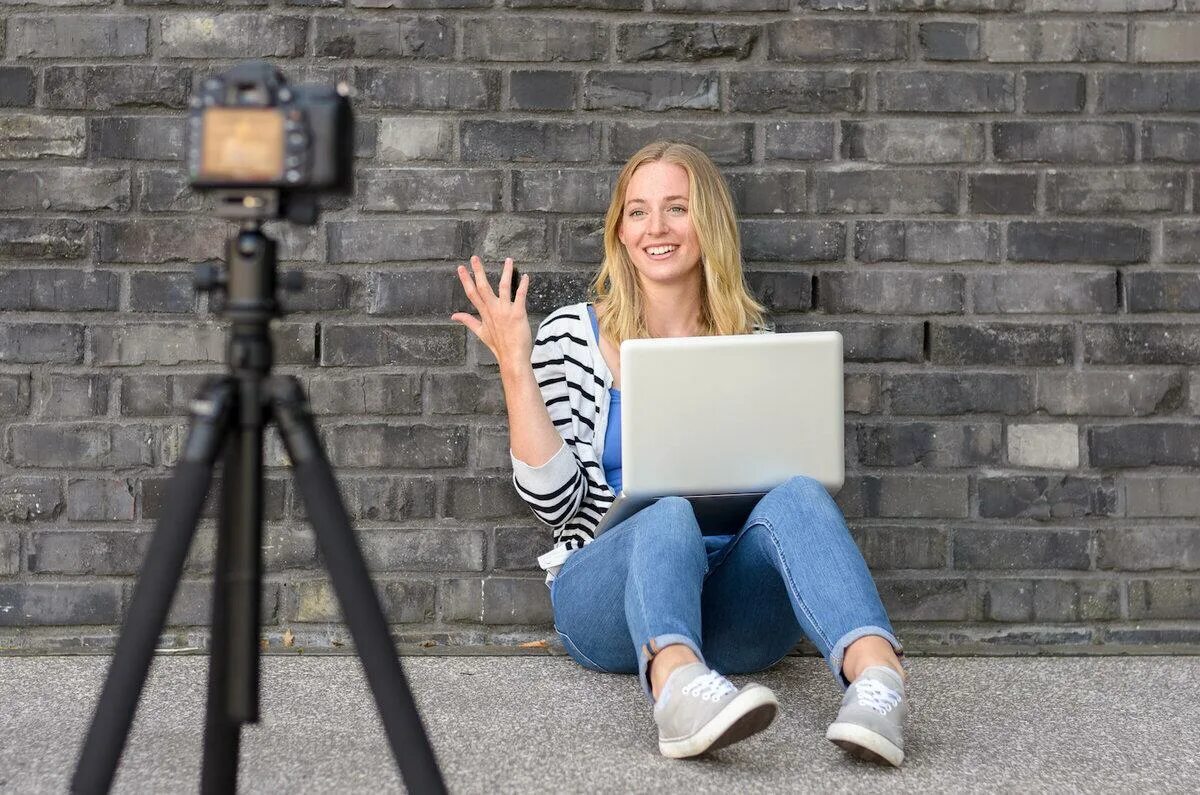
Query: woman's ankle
point(663, 664)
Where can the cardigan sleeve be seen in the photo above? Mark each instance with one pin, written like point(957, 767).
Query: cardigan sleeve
point(556, 489)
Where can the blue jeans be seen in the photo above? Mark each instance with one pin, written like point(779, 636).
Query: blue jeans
point(739, 602)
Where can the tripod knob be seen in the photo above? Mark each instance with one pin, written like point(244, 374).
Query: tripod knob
point(292, 281)
point(208, 277)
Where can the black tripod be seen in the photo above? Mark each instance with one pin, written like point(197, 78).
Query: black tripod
point(233, 411)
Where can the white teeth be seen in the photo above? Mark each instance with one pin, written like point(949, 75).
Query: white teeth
point(660, 249)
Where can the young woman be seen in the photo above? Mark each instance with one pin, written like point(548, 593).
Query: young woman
point(653, 595)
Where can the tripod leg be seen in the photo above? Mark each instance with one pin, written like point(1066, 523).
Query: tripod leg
point(352, 583)
point(153, 592)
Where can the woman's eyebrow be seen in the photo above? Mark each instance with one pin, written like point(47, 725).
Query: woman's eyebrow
point(665, 198)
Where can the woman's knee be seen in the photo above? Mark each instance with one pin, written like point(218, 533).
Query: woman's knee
point(672, 518)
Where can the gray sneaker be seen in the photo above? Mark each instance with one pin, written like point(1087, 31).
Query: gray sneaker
point(870, 723)
point(699, 710)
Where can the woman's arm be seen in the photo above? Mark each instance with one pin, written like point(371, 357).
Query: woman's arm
point(532, 436)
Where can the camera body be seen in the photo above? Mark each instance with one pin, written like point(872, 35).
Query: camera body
point(268, 149)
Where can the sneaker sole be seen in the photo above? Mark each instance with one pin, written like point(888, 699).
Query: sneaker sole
point(748, 713)
point(865, 744)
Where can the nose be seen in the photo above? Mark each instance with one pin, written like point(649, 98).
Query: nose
point(659, 223)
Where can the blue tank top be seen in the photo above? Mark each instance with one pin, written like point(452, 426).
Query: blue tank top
point(612, 436)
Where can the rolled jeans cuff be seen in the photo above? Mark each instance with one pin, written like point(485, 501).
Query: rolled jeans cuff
point(652, 647)
point(839, 651)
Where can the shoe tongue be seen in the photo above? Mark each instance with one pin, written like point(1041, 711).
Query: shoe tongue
point(884, 674)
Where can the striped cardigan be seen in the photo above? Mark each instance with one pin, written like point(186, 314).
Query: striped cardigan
point(569, 492)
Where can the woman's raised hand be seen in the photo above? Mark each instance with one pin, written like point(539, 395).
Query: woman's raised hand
point(502, 324)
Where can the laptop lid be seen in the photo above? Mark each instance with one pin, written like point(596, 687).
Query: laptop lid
point(731, 414)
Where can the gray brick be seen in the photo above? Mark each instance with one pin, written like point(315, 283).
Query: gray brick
point(1144, 444)
point(671, 41)
point(30, 499)
point(891, 292)
point(651, 91)
point(512, 600)
point(415, 138)
point(1044, 445)
point(1047, 600)
point(904, 496)
point(1108, 393)
point(1114, 192)
point(1054, 92)
point(41, 343)
point(1141, 343)
point(1063, 142)
point(524, 239)
point(389, 498)
point(767, 193)
point(562, 190)
point(157, 343)
point(1171, 141)
point(162, 292)
point(1164, 598)
point(790, 240)
point(517, 548)
point(966, 6)
point(406, 37)
point(885, 191)
point(1175, 40)
point(1168, 496)
point(365, 394)
point(727, 143)
point(26, 136)
point(928, 445)
point(918, 141)
point(1149, 92)
point(17, 86)
point(799, 140)
point(167, 190)
point(146, 241)
point(1002, 193)
point(58, 290)
point(422, 4)
point(483, 498)
point(1012, 548)
point(927, 241)
point(412, 293)
point(815, 39)
point(1163, 292)
point(959, 393)
point(490, 446)
point(1001, 344)
point(154, 497)
point(947, 92)
point(10, 553)
point(949, 41)
point(713, 5)
point(1115, 6)
point(1149, 548)
point(14, 394)
point(403, 602)
point(547, 292)
point(862, 393)
point(782, 291)
point(59, 603)
point(425, 190)
point(537, 141)
point(106, 500)
point(1028, 40)
point(1049, 292)
point(368, 346)
point(1044, 497)
point(43, 238)
point(926, 600)
point(901, 547)
point(106, 87)
point(64, 189)
point(428, 88)
point(378, 445)
point(505, 38)
point(138, 137)
point(541, 89)
point(69, 396)
point(231, 36)
point(192, 603)
point(808, 91)
point(581, 241)
point(465, 393)
point(423, 550)
point(391, 240)
point(82, 446)
point(1181, 241)
point(1083, 241)
point(88, 36)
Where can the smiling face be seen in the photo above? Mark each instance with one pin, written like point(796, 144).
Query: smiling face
point(656, 223)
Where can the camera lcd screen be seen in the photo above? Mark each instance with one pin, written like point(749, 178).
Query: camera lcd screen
point(242, 145)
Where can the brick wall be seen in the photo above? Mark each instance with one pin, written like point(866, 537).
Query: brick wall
point(992, 200)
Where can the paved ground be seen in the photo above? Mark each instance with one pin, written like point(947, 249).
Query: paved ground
point(542, 724)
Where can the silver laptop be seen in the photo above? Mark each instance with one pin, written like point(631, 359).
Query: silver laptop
point(723, 420)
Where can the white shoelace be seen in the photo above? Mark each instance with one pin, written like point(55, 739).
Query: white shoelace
point(709, 687)
point(876, 695)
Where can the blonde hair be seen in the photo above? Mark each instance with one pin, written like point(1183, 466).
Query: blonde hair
point(727, 305)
